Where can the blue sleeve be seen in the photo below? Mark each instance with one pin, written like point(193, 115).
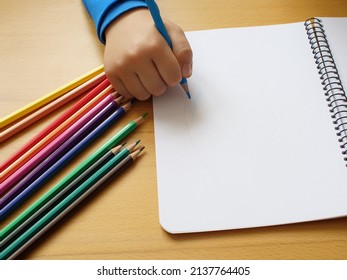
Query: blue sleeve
point(103, 12)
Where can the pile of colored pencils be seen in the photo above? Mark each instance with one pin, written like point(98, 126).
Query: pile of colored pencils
point(37, 161)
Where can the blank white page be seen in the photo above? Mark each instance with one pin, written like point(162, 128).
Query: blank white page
point(255, 146)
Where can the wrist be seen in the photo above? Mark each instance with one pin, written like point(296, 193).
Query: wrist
point(112, 13)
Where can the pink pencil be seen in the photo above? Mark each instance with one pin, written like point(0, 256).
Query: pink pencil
point(33, 150)
point(95, 91)
point(50, 107)
point(40, 156)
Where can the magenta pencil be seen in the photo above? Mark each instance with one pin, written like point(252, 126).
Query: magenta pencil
point(40, 156)
point(79, 104)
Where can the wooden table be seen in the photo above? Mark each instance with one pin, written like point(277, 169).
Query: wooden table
point(45, 44)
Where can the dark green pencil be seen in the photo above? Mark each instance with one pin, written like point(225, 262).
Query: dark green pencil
point(55, 199)
point(112, 168)
point(115, 140)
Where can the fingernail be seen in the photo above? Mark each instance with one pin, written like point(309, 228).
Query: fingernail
point(186, 70)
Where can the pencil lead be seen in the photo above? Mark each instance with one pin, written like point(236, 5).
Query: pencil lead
point(186, 89)
point(144, 115)
point(133, 145)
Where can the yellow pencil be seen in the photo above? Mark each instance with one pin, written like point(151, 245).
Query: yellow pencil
point(49, 97)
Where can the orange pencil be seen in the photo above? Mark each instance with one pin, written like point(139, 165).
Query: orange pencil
point(84, 100)
point(56, 132)
point(50, 107)
point(29, 108)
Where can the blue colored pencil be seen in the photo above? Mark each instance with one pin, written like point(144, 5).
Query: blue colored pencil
point(73, 175)
point(154, 10)
point(60, 150)
point(67, 155)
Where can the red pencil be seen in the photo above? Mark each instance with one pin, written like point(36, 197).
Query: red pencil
point(94, 92)
point(50, 107)
point(28, 154)
point(55, 144)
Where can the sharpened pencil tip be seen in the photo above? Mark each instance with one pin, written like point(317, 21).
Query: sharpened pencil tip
point(118, 99)
point(185, 87)
point(136, 153)
point(144, 115)
point(127, 106)
point(133, 146)
point(116, 149)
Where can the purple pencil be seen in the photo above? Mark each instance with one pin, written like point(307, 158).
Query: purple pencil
point(40, 156)
point(61, 156)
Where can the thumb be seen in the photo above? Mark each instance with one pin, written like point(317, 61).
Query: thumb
point(181, 48)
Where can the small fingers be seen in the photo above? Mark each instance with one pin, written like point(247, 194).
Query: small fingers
point(181, 48)
point(151, 79)
point(135, 87)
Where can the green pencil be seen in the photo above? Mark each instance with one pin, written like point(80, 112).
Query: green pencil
point(109, 168)
point(125, 131)
point(63, 192)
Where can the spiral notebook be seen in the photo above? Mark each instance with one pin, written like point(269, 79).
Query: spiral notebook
point(262, 142)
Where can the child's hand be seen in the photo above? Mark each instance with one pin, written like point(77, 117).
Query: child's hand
point(138, 61)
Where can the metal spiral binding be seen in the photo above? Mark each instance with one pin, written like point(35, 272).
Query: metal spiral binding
point(332, 85)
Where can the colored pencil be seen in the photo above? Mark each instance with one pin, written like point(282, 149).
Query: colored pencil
point(94, 92)
point(56, 160)
point(154, 10)
point(115, 140)
point(50, 165)
point(27, 155)
point(111, 169)
point(58, 196)
point(50, 107)
point(42, 154)
point(49, 97)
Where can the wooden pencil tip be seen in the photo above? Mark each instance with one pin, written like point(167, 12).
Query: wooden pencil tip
point(186, 89)
point(119, 99)
point(116, 149)
point(133, 145)
point(140, 119)
point(136, 153)
point(126, 100)
point(127, 106)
